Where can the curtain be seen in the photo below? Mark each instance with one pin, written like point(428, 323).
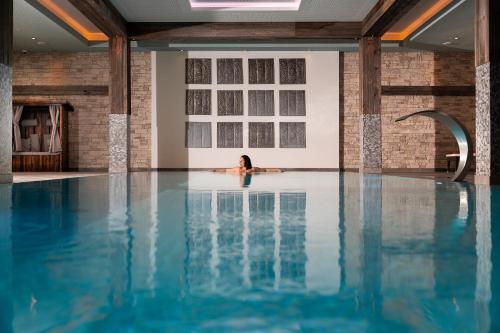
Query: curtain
point(55, 140)
point(18, 112)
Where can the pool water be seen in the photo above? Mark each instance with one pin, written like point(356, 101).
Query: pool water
point(203, 252)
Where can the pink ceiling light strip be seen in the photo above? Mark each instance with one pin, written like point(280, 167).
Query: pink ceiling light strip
point(256, 5)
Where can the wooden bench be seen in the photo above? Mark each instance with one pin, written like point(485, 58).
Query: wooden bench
point(453, 158)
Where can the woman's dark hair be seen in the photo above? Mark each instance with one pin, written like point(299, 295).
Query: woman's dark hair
point(248, 162)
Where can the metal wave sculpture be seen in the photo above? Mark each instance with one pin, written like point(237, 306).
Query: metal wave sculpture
point(459, 132)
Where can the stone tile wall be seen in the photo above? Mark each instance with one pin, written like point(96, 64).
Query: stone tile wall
point(417, 142)
point(88, 124)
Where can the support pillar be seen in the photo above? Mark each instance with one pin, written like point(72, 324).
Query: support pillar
point(6, 24)
point(487, 50)
point(370, 123)
point(119, 118)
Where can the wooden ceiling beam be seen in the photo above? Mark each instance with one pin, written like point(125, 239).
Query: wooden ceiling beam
point(103, 15)
point(58, 90)
point(383, 16)
point(232, 31)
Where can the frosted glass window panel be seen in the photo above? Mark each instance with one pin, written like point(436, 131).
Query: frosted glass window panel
point(293, 135)
point(261, 103)
point(198, 71)
point(230, 102)
point(198, 135)
point(198, 102)
point(229, 71)
point(292, 103)
point(292, 71)
point(230, 135)
point(261, 71)
point(261, 135)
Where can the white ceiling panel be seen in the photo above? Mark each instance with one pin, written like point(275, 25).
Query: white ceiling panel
point(453, 29)
point(180, 11)
point(30, 23)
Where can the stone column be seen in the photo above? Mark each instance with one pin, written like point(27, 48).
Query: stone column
point(6, 14)
point(370, 124)
point(118, 142)
point(119, 118)
point(487, 49)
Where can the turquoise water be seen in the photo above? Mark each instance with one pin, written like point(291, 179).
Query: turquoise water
point(202, 252)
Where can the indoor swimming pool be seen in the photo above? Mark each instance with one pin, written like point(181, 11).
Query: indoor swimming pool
point(290, 252)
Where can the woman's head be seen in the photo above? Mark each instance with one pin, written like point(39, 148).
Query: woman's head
point(245, 162)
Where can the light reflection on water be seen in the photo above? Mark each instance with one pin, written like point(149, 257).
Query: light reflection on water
point(207, 252)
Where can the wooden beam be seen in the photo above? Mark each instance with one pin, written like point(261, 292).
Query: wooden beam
point(482, 33)
point(103, 15)
point(244, 31)
point(428, 90)
point(119, 57)
point(40, 90)
point(370, 63)
point(370, 125)
point(384, 14)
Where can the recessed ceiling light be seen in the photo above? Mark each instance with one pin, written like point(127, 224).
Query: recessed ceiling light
point(456, 38)
point(245, 4)
point(447, 43)
point(33, 38)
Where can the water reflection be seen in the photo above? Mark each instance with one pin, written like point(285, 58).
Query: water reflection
point(6, 264)
point(292, 240)
point(124, 251)
point(246, 248)
point(261, 242)
point(484, 265)
point(245, 180)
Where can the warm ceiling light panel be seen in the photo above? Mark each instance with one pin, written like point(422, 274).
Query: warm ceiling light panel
point(245, 4)
point(438, 6)
point(74, 19)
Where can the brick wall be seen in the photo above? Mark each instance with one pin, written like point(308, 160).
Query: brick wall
point(415, 143)
point(88, 124)
point(418, 142)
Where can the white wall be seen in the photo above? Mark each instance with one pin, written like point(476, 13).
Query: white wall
point(322, 119)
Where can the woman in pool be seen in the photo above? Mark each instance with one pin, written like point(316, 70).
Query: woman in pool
point(246, 167)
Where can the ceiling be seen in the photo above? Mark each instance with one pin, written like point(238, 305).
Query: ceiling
point(454, 30)
point(180, 11)
point(30, 23)
point(52, 35)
